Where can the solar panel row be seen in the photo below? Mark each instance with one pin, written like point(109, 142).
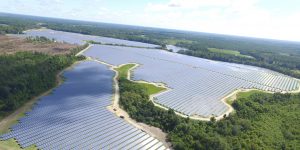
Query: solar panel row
point(197, 85)
point(76, 38)
point(75, 116)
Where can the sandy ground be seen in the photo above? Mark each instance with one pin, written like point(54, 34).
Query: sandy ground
point(82, 51)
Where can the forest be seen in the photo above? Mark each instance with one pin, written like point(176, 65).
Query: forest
point(281, 56)
point(25, 75)
point(260, 121)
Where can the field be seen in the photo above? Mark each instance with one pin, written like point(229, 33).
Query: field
point(11, 44)
point(11, 144)
point(230, 52)
point(150, 88)
point(123, 70)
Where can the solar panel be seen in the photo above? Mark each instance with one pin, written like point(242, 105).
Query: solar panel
point(197, 85)
point(75, 116)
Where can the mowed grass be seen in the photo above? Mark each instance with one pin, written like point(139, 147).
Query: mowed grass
point(151, 88)
point(123, 70)
point(11, 144)
point(229, 52)
point(248, 93)
point(241, 94)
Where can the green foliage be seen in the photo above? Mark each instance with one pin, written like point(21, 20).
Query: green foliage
point(273, 60)
point(39, 39)
point(123, 70)
point(226, 51)
point(149, 88)
point(25, 75)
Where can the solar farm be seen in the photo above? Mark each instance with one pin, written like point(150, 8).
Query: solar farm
point(75, 38)
point(75, 116)
point(196, 85)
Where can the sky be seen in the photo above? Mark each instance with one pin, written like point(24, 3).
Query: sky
point(274, 19)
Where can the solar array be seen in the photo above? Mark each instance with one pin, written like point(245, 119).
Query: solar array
point(75, 116)
point(75, 38)
point(197, 85)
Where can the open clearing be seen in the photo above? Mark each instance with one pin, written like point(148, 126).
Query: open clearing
point(12, 44)
point(230, 52)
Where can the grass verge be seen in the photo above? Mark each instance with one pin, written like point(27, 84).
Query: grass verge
point(150, 88)
point(12, 144)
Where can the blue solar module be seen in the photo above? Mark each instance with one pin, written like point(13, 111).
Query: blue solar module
point(197, 85)
point(76, 38)
point(75, 116)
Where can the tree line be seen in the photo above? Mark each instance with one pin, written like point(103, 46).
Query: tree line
point(286, 64)
point(281, 56)
point(25, 75)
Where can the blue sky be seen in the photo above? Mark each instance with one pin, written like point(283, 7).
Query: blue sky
point(276, 19)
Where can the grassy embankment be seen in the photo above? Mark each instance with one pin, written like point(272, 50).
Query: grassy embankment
point(150, 88)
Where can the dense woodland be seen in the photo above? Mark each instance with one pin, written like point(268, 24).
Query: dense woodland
point(24, 75)
point(261, 121)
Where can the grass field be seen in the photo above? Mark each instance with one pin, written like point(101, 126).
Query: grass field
point(123, 70)
point(11, 144)
point(248, 93)
point(123, 73)
point(229, 52)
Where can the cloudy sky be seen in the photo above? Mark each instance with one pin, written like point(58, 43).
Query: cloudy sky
point(276, 19)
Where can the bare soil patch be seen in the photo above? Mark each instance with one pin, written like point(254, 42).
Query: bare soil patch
point(12, 44)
